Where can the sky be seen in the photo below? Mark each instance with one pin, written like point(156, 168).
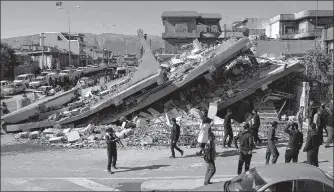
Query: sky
point(19, 18)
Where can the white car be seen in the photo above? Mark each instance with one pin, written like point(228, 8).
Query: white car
point(25, 78)
point(14, 88)
point(65, 72)
point(39, 81)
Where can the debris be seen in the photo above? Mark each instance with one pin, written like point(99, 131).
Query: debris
point(23, 135)
point(213, 108)
point(72, 136)
point(34, 135)
point(56, 139)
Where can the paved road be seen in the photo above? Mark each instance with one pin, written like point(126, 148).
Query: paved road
point(26, 166)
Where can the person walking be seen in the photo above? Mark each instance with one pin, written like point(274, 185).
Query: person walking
point(312, 110)
point(329, 125)
point(295, 143)
point(210, 157)
point(203, 135)
point(228, 132)
point(255, 127)
point(111, 140)
point(246, 141)
point(319, 121)
point(312, 145)
point(175, 134)
point(271, 148)
point(300, 118)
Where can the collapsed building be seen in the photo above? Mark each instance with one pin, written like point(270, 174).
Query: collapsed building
point(228, 75)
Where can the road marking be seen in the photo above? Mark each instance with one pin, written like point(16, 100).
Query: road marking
point(91, 184)
point(23, 183)
point(118, 178)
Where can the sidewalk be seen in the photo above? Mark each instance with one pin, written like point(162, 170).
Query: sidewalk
point(178, 184)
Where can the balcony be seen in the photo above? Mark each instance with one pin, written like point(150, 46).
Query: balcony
point(302, 34)
point(179, 35)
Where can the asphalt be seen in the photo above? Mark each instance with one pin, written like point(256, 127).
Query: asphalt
point(27, 166)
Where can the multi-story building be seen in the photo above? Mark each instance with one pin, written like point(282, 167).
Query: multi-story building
point(47, 59)
point(305, 25)
point(65, 41)
point(182, 27)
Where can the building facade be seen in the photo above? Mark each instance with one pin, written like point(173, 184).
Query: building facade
point(65, 41)
point(305, 25)
point(182, 27)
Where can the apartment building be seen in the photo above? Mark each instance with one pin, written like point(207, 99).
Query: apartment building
point(182, 27)
point(304, 25)
point(65, 41)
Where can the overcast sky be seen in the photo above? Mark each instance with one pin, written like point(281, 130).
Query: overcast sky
point(20, 18)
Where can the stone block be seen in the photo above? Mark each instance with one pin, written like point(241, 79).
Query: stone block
point(56, 139)
point(24, 135)
point(34, 135)
point(48, 131)
point(72, 136)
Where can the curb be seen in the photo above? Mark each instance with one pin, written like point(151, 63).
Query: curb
point(176, 184)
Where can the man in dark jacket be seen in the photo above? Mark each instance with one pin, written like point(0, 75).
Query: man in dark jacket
point(246, 146)
point(312, 146)
point(210, 157)
point(228, 132)
point(271, 148)
point(111, 140)
point(175, 134)
point(255, 127)
point(295, 143)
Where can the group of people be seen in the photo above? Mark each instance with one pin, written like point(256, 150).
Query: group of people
point(247, 138)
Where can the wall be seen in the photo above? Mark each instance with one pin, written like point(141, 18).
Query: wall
point(51, 39)
point(170, 24)
point(275, 30)
point(283, 47)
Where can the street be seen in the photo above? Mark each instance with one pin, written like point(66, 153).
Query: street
point(27, 166)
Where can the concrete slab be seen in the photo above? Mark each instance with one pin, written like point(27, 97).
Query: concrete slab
point(72, 136)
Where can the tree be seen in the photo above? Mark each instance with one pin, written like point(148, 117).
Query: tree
point(8, 61)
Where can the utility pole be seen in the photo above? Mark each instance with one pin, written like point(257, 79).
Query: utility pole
point(42, 44)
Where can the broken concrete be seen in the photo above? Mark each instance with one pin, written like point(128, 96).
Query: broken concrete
point(34, 135)
point(72, 136)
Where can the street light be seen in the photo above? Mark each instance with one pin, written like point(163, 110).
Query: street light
point(59, 5)
point(108, 51)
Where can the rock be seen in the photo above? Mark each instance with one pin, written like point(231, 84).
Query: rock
point(67, 130)
point(72, 136)
point(48, 131)
point(91, 138)
point(34, 135)
point(56, 139)
point(88, 130)
point(23, 135)
point(47, 136)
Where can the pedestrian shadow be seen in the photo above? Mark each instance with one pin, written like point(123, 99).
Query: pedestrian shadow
point(325, 161)
point(192, 155)
point(228, 153)
point(151, 167)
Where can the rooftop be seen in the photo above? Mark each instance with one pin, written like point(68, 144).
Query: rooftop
point(191, 14)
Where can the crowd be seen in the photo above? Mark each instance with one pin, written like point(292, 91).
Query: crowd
point(248, 139)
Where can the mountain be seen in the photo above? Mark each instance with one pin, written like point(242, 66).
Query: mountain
point(117, 43)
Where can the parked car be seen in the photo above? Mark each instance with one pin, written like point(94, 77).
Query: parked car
point(287, 177)
point(39, 81)
point(44, 90)
point(45, 73)
point(25, 78)
point(65, 72)
point(51, 74)
point(4, 83)
point(14, 88)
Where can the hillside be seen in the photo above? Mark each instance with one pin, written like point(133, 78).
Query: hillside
point(117, 43)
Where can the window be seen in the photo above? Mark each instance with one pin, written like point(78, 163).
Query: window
point(286, 186)
point(309, 185)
